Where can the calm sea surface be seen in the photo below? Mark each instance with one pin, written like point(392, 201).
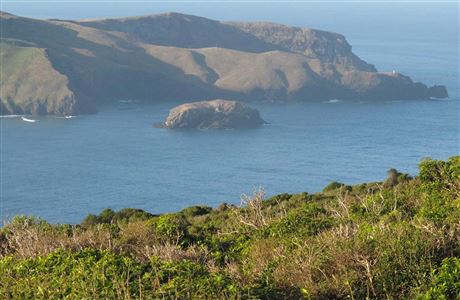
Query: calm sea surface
point(63, 169)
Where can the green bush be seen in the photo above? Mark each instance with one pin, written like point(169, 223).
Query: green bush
point(87, 274)
point(441, 184)
point(93, 274)
point(333, 186)
point(109, 216)
point(194, 211)
point(173, 227)
point(307, 220)
point(445, 283)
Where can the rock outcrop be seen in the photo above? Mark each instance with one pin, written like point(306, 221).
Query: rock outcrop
point(214, 114)
point(328, 47)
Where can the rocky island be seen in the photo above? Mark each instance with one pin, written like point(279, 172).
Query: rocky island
point(214, 114)
point(69, 67)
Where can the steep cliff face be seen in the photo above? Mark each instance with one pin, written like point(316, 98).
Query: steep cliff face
point(326, 46)
point(67, 67)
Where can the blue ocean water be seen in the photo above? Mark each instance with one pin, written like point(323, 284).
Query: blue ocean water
point(63, 169)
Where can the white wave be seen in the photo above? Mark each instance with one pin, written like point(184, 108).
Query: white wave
point(333, 101)
point(9, 116)
point(442, 99)
point(28, 120)
point(125, 101)
point(65, 117)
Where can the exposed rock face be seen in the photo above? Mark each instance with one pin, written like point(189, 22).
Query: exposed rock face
point(68, 67)
point(329, 47)
point(215, 114)
point(437, 91)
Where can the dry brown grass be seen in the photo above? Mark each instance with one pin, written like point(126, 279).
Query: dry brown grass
point(137, 238)
point(28, 240)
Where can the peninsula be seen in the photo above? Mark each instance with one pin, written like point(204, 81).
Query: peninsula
point(69, 67)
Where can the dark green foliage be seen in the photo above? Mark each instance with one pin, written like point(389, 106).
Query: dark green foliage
point(333, 186)
point(304, 221)
point(397, 239)
point(108, 216)
point(194, 211)
point(445, 283)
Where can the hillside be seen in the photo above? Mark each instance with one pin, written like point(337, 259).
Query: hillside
point(181, 57)
point(395, 239)
point(30, 82)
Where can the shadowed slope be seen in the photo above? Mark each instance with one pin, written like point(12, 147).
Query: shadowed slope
point(29, 83)
point(179, 30)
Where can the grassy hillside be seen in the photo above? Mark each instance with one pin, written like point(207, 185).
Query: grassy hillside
point(396, 239)
point(273, 75)
point(29, 82)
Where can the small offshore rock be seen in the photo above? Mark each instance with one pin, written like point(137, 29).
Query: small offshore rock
point(214, 114)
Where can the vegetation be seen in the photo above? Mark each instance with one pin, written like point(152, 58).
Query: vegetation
point(397, 239)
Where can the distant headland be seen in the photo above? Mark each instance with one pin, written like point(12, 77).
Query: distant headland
point(68, 67)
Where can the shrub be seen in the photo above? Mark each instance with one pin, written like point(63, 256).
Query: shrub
point(333, 186)
point(441, 184)
point(445, 282)
point(173, 228)
point(194, 211)
point(93, 274)
point(108, 216)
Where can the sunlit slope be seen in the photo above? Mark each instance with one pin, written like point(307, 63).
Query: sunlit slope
point(271, 76)
point(281, 76)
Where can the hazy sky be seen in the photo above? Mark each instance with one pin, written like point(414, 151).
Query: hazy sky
point(425, 20)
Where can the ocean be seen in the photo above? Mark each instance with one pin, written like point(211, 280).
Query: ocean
point(63, 169)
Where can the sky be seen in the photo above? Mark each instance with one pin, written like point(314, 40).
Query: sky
point(353, 18)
